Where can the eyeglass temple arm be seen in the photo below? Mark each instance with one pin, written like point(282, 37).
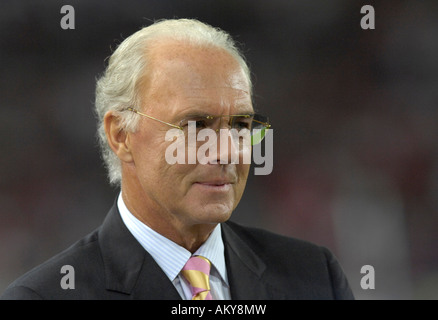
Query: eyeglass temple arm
point(150, 117)
point(247, 116)
point(264, 123)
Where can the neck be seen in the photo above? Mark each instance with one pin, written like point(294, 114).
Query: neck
point(188, 235)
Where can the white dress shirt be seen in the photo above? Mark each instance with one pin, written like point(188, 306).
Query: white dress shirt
point(171, 257)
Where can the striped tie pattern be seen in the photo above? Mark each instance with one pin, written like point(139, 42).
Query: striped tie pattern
point(196, 272)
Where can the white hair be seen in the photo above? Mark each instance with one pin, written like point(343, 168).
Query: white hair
point(117, 89)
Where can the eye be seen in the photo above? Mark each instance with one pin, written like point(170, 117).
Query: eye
point(241, 123)
point(199, 122)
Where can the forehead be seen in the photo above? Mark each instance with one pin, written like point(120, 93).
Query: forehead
point(217, 100)
point(203, 76)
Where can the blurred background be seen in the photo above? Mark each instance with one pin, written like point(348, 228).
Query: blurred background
point(354, 112)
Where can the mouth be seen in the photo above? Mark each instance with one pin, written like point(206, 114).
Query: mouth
point(215, 185)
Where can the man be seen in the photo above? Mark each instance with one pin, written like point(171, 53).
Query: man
point(168, 236)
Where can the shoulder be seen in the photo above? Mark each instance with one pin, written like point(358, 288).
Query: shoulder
point(44, 281)
point(292, 262)
point(265, 242)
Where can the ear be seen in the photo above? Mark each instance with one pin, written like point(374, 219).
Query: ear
point(118, 138)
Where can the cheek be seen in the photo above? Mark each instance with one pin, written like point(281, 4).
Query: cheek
point(166, 184)
point(176, 177)
point(148, 151)
point(243, 171)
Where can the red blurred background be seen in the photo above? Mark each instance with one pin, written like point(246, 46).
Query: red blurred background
point(354, 113)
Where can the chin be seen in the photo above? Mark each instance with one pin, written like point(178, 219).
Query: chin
point(215, 213)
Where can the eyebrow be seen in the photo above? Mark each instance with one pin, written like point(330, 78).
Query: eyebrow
point(203, 114)
point(197, 111)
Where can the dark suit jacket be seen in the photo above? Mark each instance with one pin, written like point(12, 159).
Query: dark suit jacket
point(109, 263)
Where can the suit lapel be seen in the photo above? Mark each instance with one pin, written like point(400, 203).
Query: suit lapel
point(129, 269)
point(244, 268)
point(153, 284)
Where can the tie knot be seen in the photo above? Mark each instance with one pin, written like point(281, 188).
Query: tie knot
point(198, 263)
point(196, 272)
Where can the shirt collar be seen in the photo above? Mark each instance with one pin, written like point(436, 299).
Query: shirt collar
point(170, 256)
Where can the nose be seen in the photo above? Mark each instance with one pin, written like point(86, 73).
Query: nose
point(223, 122)
point(228, 148)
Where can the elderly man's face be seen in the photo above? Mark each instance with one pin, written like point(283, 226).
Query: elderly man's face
point(187, 80)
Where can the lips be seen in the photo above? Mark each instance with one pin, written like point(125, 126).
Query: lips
point(215, 182)
point(215, 185)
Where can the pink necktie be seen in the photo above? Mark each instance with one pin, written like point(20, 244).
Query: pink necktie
point(196, 272)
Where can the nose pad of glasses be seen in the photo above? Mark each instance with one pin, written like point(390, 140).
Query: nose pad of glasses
point(220, 123)
point(229, 148)
point(229, 122)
